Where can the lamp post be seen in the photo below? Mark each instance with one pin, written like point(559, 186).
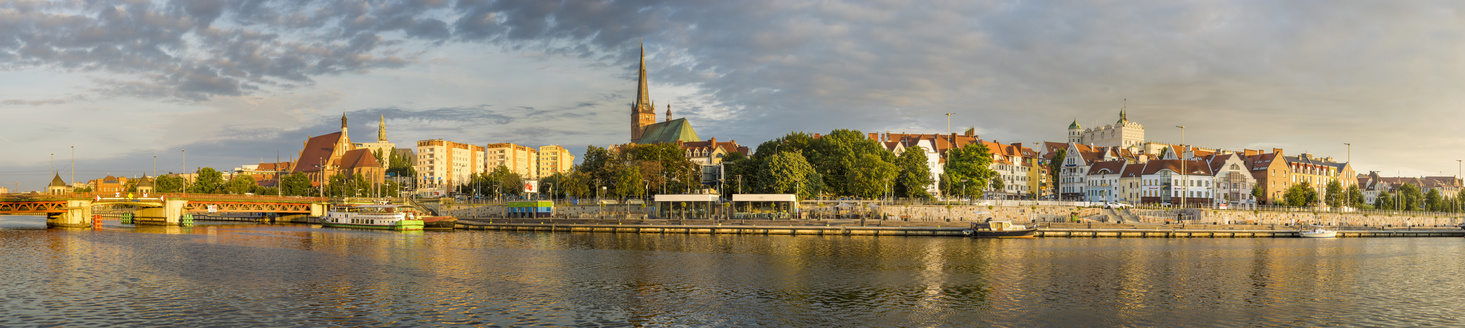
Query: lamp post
point(73, 164)
point(1184, 184)
point(185, 170)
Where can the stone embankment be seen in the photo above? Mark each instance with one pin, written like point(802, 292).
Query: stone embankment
point(1035, 214)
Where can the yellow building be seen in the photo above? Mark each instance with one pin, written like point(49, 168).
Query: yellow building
point(554, 159)
point(521, 160)
point(446, 164)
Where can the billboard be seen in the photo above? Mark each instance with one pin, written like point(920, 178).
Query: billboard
point(531, 186)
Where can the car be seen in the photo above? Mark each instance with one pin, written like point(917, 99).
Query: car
point(1116, 205)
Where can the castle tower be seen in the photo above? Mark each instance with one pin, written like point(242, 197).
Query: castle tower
point(381, 130)
point(1075, 133)
point(643, 111)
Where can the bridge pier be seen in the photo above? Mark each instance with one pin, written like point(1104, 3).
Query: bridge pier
point(78, 215)
point(168, 215)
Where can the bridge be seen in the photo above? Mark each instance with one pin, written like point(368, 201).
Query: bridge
point(75, 210)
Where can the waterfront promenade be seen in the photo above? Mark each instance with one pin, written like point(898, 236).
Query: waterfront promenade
point(855, 227)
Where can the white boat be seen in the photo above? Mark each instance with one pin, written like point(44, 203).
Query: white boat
point(371, 217)
point(1317, 232)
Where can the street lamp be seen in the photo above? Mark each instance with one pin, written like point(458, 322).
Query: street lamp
point(1184, 184)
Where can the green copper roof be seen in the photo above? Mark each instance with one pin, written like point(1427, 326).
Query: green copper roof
point(1074, 125)
point(669, 132)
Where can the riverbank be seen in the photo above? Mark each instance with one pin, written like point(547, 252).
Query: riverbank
point(921, 228)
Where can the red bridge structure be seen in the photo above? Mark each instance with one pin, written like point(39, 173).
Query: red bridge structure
point(75, 210)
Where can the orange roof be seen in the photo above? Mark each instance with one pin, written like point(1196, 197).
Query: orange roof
point(317, 150)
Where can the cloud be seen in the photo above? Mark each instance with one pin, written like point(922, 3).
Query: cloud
point(1301, 75)
point(32, 102)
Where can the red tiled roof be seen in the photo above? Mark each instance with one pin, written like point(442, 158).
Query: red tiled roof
point(1106, 167)
point(316, 150)
point(358, 158)
point(1193, 167)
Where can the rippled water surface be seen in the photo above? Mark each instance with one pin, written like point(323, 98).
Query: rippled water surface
point(273, 275)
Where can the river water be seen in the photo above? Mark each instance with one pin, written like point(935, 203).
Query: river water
point(274, 275)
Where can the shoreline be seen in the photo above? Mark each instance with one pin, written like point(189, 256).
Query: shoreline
point(935, 229)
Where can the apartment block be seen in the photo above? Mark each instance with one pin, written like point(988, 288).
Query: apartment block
point(447, 164)
point(554, 159)
point(521, 160)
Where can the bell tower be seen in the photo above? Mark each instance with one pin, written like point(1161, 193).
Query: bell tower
point(643, 112)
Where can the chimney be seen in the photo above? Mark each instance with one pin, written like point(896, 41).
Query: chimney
point(1277, 151)
point(1250, 152)
point(713, 140)
point(874, 136)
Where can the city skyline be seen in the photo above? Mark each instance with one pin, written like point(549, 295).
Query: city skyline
point(237, 84)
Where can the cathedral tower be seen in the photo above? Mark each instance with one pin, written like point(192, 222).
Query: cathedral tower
point(381, 130)
point(643, 111)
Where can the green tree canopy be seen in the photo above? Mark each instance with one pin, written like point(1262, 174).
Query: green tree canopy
point(788, 172)
point(1355, 196)
point(1055, 169)
point(209, 181)
point(1433, 201)
point(168, 184)
point(1409, 197)
point(972, 164)
point(870, 176)
point(1301, 194)
point(297, 184)
point(1335, 196)
point(915, 175)
point(239, 185)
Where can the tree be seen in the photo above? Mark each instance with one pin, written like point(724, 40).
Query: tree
point(1409, 197)
point(1335, 196)
point(788, 172)
point(296, 184)
point(915, 175)
point(1355, 196)
point(168, 183)
point(1385, 201)
point(1433, 201)
point(209, 181)
point(1055, 169)
point(1257, 192)
point(870, 176)
point(1301, 194)
point(239, 185)
point(997, 184)
point(400, 164)
point(970, 165)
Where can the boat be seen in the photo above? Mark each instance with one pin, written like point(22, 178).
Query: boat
point(376, 216)
point(1000, 229)
point(1317, 232)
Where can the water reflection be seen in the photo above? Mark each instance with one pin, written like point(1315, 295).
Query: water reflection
point(248, 274)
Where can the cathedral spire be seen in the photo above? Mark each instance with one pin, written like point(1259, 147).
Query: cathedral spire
point(381, 130)
point(643, 97)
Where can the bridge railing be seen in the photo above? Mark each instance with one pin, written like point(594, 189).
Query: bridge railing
point(91, 195)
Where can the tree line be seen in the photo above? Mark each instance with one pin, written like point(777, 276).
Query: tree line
point(844, 163)
point(1408, 197)
point(211, 181)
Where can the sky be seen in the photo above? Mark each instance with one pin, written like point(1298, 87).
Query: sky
point(231, 83)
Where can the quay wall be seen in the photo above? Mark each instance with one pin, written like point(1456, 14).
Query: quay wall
point(1040, 213)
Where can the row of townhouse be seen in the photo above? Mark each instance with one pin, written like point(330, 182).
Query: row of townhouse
point(443, 164)
point(1372, 185)
point(1022, 170)
point(1161, 173)
point(1215, 179)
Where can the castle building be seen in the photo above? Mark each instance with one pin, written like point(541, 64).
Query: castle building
point(1124, 134)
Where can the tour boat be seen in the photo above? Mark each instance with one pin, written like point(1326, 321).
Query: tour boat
point(1000, 229)
point(371, 217)
point(1317, 232)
